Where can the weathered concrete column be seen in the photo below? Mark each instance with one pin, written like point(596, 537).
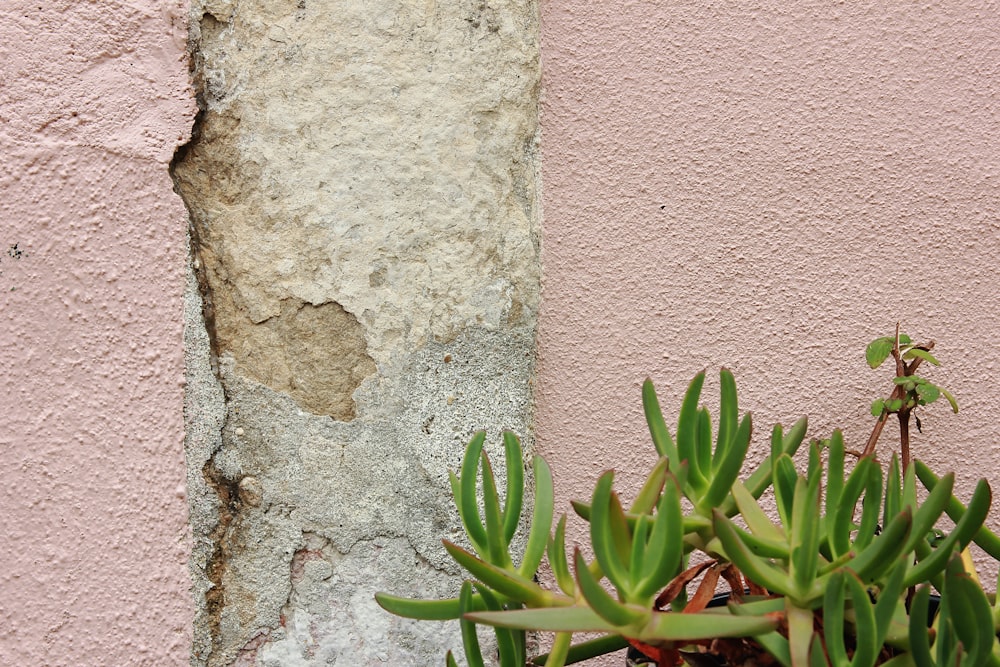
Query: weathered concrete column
point(362, 187)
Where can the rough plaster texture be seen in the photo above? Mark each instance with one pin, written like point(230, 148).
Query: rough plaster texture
point(767, 186)
point(362, 188)
point(93, 101)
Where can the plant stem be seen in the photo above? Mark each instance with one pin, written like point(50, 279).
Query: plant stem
point(902, 370)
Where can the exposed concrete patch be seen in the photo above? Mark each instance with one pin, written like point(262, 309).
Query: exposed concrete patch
point(362, 189)
point(315, 354)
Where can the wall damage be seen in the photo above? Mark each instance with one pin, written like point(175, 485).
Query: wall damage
point(364, 284)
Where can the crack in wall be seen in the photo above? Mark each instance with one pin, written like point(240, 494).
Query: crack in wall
point(221, 537)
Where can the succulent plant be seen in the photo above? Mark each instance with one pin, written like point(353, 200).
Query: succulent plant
point(840, 576)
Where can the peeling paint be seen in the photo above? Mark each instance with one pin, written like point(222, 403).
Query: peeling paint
point(364, 286)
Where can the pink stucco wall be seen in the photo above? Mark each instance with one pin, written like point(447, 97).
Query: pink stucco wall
point(766, 186)
point(93, 101)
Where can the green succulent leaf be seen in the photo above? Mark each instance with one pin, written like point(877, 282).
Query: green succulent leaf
point(610, 610)
point(878, 406)
point(586, 650)
point(727, 471)
point(757, 520)
point(804, 538)
point(665, 548)
point(470, 641)
point(882, 552)
point(987, 540)
point(920, 635)
point(800, 632)
point(505, 582)
point(833, 619)
point(784, 480)
point(703, 443)
point(687, 435)
point(728, 416)
point(646, 499)
point(756, 568)
point(495, 543)
point(966, 529)
point(834, 471)
point(669, 626)
point(468, 505)
point(870, 507)
point(425, 610)
point(510, 643)
point(893, 501)
point(541, 519)
point(657, 427)
point(606, 533)
point(557, 559)
point(866, 636)
point(515, 485)
point(559, 654)
point(928, 512)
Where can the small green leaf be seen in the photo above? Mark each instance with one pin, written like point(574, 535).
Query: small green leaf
point(878, 351)
point(928, 393)
point(895, 405)
point(922, 354)
point(951, 400)
point(878, 405)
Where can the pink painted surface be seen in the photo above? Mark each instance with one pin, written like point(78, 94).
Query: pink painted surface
point(93, 101)
point(766, 186)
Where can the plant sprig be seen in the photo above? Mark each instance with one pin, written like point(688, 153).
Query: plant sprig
point(909, 392)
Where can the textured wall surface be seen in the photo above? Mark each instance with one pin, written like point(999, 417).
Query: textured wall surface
point(766, 186)
point(93, 101)
point(362, 184)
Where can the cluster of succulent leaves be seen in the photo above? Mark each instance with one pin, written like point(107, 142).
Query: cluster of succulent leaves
point(843, 577)
point(916, 390)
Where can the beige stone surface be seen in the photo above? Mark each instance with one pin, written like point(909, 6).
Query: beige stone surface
point(362, 188)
